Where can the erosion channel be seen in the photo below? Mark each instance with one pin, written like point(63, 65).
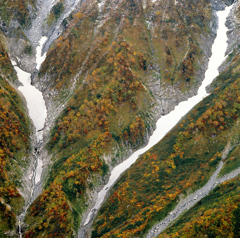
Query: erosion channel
point(34, 98)
point(37, 112)
point(165, 124)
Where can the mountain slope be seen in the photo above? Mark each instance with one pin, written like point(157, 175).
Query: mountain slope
point(115, 68)
point(112, 69)
point(215, 215)
point(180, 163)
point(14, 145)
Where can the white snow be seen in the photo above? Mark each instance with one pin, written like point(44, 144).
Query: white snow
point(100, 5)
point(39, 57)
point(36, 107)
point(38, 171)
point(166, 123)
point(35, 101)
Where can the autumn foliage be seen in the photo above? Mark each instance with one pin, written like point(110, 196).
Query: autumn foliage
point(50, 207)
point(16, 9)
point(217, 215)
point(181, 162)
point(14, 145)
point(110, 66)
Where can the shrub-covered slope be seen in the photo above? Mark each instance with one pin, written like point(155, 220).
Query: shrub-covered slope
point(217, 215)
point(14, 146)
point(170, 38)
point(107, 65)
point(179, 164)
point(16, 10)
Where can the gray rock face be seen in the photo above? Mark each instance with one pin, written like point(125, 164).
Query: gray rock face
point(25, 60)
point(233, 23)
point(219, 5)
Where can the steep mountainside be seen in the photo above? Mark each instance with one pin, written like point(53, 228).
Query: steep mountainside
point(111, 57)
point(16, 11)
point(217, 215)
point(112, 69)
point(14, 145)
point(183, 161)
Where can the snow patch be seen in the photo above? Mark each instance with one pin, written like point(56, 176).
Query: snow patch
point(100, 5)
point(38, 171)
point(39, 57)
point(35, 102)
point(166, 123)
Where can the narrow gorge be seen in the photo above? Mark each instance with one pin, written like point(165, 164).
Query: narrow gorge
point(107, 129)
point(37, 112)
